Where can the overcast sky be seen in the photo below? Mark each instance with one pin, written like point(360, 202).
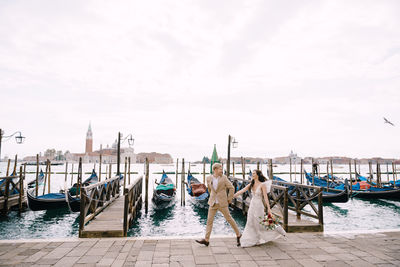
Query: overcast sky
point(316, 77)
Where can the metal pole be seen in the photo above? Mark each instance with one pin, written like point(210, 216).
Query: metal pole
point(1, 139)
point(228, 160)
point(118, 153)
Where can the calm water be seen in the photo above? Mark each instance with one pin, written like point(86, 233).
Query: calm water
point(188, 220)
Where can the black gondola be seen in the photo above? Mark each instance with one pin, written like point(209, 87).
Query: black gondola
point(72, 194)
point(47, 201)
point(32, 184)
point(164, 193)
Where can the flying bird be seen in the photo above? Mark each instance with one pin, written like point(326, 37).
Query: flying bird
point(387, 121)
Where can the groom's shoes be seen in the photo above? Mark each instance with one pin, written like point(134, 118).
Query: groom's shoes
point(203, 242)
point(238, 240)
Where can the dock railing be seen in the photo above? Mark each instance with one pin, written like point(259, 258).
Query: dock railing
point(283, 197)
point(132, 202)
point(300, 196)
point(95, 198)
point(12, 192)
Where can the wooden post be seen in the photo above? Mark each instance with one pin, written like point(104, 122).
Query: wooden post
point(351, 179)
point(6, 195)
point(301, 172)
point(327, 176)
point(285, 207)
point(204, 172)
point(79, 182)
point(106, 172)
point(271, 171)
point(147, 186)
point(129, 170)
point(378, 174)
point(258, 165)
point(125, 167)
point(313, 170)
point(332, 169)
point(228, 158)
point(183, 183)
point(8, 167)
point(189, 167)
point(176, 173)
point(100, 168)
point(72, 174)
point(394, 174)
point(15, 165)
point(243, 168)
point(320, 210)
point(110, 171)
point(45, 177)
point(233, 168)
point(387, 171)
point(48, 180)
point(37, 175)
point(66, 174)
point(290, 168)
point(370, 171)
point(21, 188)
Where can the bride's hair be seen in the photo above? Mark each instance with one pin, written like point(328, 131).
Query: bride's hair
point(261, 178)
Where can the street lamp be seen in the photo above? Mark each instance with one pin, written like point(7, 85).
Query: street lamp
point(18, 138)
point(130, 139)
point(234, 145)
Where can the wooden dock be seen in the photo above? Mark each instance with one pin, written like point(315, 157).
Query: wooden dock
point(109, 223)
point(107, 213)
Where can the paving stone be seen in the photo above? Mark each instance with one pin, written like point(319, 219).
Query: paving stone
point(58, 253)
point(66, 261)
point(35, 257)
point(106, 262)
point(143, 264)
point(247, 264)
point(323, 257)
point(359, 263)
point(78, 251)
point(288, 263)
point(205, 260)
point(309, 263)
point(118, 263)
point(224, 258)
point(89, 259)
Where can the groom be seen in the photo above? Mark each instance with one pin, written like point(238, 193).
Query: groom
point(218, 185)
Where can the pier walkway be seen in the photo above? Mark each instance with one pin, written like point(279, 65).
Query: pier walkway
point(300, 249)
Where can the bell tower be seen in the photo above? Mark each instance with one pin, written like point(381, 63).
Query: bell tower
point(89, 140)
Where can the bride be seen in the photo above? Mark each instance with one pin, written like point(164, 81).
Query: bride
point(254, 233)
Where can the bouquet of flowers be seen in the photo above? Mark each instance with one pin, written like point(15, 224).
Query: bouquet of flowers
point(269, 221)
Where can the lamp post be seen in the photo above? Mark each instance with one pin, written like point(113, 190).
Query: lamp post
point(234, 145)
point(130, 139)
point(18, 138)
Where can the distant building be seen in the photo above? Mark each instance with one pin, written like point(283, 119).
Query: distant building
point(89, 140)
point(108, 155)
point(154, 157)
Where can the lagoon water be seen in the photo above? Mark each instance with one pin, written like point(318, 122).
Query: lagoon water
point(187, 220)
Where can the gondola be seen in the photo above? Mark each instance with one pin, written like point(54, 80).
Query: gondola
point(328, 196)
point(362, 189)
point(47, 201)
point(164, 193)
point(72, 194)
point(32, 184)
point(197, 191)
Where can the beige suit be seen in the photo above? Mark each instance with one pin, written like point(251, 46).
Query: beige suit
point(223, 197)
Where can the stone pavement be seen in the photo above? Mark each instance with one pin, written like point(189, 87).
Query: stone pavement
point(307, 249)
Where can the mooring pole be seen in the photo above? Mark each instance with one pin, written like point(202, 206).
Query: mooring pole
point(204, 172)
point(37, 175)
point(100, 168)
point(118, 153)
point(147, 185)
point(176, 173)
point(182, 183)
point(243, 168)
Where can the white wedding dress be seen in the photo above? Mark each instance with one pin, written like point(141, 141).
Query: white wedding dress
point(254, 233)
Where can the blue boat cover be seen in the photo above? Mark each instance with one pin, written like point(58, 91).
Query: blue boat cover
point(52, 196)
point(163, 177)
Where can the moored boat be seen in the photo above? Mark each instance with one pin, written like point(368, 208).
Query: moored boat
point(197, 191)
point(164, 193)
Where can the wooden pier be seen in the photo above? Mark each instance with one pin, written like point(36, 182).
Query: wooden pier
point(104, 213)
point(12, 192)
